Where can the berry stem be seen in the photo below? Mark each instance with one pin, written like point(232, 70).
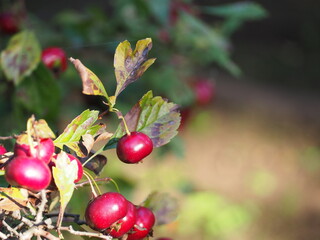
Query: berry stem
point(91, 179)
point(121, 117)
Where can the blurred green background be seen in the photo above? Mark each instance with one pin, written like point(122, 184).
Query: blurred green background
point(244, 166)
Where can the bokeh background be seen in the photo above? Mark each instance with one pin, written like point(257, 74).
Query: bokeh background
point(245, 165)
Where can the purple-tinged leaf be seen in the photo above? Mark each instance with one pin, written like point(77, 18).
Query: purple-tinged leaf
point(164, 207)
point(154, 116)
point(21, 56)
point(91, 84)
point(130, 65)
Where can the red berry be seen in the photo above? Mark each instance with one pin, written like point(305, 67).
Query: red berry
point(3, 150)
point(105, 210)
point(43, 151)
point(122, 226)
point(8, 23)
point(144, 221)
point(22, 150)
point(55, 59)
point(72, 158)
point(28, 172)
point(134, 147)
point(204, 91)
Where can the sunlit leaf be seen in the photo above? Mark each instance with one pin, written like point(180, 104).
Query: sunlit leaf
point(91, 84)
point(21, 56)
point(164, 207)
point(39, 129)
point(81, 125)
point(154, 116)
point(65, 172)
point(130, 65)
point(12, 199)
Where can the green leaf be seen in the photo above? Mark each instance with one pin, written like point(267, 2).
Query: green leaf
point(91, 84)
point(240, 10)
point(130, 65)
point(65, 172)
point(38, 94)
point(154, 116)
point(39, 129)
point(81, 125)
point(196, 37)
point(21, 56)
point(160, 10)
point(164, 207)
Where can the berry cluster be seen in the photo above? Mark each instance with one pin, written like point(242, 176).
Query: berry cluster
point(111, 213)
point(31, 165)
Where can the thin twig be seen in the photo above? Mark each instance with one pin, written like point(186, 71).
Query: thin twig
point(87, 234)
point(10, 229)
point(3, 236)
point(8, 137)
point(42, 206)
point(106, 179)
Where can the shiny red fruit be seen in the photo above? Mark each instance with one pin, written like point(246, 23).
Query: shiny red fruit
point(134, 147)
point(122, 226)
point(55, 59)
point(8, 23)
point(28, 172)
point(105, 210)
point(43, 151)
point(3, 150)
point(144, 222)
point(204, 91)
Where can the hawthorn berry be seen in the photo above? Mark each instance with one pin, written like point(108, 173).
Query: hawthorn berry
point(8, 23)
point(204, 91)
point(28, 172)
point(106, 209)
point(123, 225)
point(134, 147)
point(3, 150)
point(43, 151)
point(143, 225)
point(55, 59)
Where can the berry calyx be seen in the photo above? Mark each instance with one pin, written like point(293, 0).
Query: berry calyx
point(134, 147)
point(106, 209)
point(143, 225)
point(28, 172)
point(123, 225)
point(55, 59)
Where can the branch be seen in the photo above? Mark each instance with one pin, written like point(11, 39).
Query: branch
point(107, 179)
point(8, 137)
point(42, 206)
point(3, 236)
point(87, 234)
